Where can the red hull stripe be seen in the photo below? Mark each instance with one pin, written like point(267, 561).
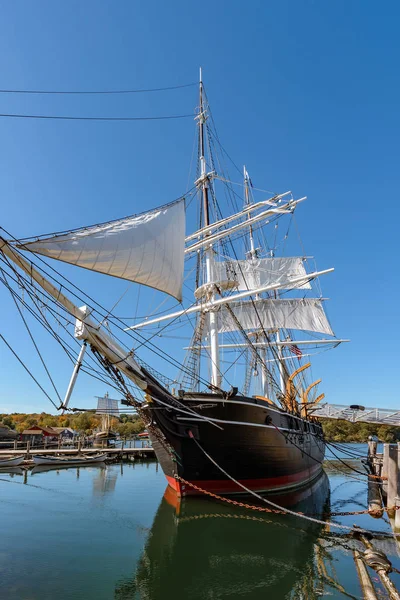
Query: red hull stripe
point(220, 486)
point(174, 483)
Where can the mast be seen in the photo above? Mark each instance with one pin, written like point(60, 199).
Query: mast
point(209, 252)
point(280, 363)
point(262, 352)
point(253, 252)
point(105, 419)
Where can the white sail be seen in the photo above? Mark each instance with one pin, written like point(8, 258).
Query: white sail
point(292, 313)
point(107, 406)
point(255, 273)
point(146, 249)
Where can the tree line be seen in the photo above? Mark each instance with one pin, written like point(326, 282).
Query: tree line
point(83, 422)
point(87, 422)
point(337, 430)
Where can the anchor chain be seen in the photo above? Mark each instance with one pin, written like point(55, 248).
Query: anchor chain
point(264, 508)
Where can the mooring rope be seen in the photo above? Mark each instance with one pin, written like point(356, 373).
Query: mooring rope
point(275, 506)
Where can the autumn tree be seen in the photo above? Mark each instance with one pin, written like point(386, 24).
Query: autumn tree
point(8, 422)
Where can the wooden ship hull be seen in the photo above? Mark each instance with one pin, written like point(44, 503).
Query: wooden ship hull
point(105, 435)
point(261, 446)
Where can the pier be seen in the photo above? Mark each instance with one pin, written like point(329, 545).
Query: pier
point(384, 482)
point(113, 453)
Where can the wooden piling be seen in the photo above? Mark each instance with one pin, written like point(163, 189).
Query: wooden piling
point(375, 508)
point(398, 468)
point(385, 468)
point(390, 588)
point(15, 445)
point(366, 584)
point(397, 515)
point(381, 570)
point(376, 463)
point(28, 447)
point(372, 446)
point(396, 520)
point(392, 475)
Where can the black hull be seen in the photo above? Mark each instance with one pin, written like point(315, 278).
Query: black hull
point(257, 444)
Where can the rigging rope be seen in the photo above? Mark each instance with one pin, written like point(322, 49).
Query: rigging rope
point(102, 312)
point(70, 352)
point(273, 504)
point(28, 371)
point(35, 345)
point(72, 118)
point(93, 92)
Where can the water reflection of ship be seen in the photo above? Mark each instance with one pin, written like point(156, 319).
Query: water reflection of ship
point(201, 549)
point(104, 481)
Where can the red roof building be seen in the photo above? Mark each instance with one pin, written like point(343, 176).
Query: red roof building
point(39, 431)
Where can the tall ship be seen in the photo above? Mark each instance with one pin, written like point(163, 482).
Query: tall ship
point(235, 411)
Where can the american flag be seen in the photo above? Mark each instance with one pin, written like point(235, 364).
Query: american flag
point(295, 350)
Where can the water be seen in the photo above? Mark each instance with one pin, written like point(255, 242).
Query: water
point(116, 533)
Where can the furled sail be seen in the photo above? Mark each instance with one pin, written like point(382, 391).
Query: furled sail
point(254, 273)
point(305, 314)
point(147, 248)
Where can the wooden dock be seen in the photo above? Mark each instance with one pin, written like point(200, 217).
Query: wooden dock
point(383, 497)
point(121, 453)
point(385, 470)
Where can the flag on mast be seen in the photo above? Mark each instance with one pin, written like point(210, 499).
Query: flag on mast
point(295, 350)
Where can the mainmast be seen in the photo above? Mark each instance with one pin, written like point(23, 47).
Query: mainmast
point(253, 254)
point(253, 251)
point(209, 252)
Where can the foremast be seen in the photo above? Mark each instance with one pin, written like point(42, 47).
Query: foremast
point(203, 184)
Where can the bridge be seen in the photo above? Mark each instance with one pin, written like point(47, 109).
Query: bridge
point(356, 413)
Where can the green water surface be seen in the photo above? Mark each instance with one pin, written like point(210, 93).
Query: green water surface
point(112, 532)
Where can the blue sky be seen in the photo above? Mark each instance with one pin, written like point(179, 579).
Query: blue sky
point(305, 93)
